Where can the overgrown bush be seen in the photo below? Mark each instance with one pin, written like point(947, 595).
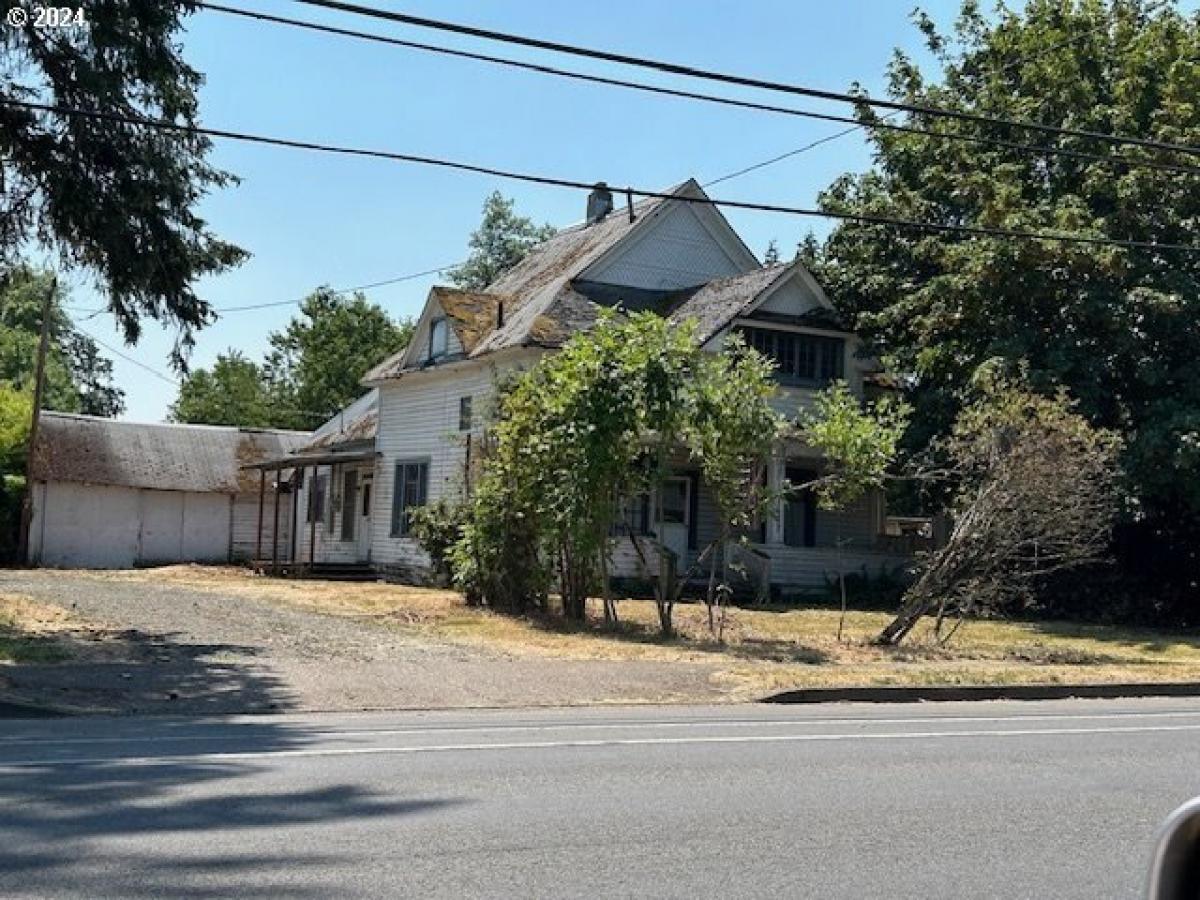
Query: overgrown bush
point(12, 490)
point(437, 528)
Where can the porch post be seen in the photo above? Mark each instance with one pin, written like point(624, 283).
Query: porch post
point(312, 521)
point(294, 524)
point(776, 472)
point(262, 489)
point(275, 530)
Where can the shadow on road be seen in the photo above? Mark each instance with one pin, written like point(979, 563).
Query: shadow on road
point(159, 824)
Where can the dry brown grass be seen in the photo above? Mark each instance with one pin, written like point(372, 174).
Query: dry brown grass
point(765, 649)
point(32, 632)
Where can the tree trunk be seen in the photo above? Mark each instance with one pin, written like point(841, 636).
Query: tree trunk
point(711, 598)
point(841, 578)
point(610, 606)
point(910, 614)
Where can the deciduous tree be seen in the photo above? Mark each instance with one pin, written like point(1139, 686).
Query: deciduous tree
point(232, 392)
point(858, 445)
point(1116, 327)
point(317, 363)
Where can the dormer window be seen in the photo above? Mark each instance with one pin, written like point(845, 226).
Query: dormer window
point(437, 338)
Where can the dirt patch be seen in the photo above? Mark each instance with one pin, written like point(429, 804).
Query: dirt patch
point(197, 641)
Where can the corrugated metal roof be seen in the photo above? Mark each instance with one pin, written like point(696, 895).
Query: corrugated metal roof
point(200, 458)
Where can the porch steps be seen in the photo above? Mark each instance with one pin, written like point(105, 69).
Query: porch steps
point(342, 572)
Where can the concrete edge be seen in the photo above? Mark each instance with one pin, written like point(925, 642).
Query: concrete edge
point(15, 709)
point(945, 692)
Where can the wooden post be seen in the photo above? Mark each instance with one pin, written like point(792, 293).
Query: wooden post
point(275, 530)
point(262, 489)
point(39, 378)
point(294, 526)
point(312, 521)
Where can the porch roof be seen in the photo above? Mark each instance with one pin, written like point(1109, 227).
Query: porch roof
point(301, 460)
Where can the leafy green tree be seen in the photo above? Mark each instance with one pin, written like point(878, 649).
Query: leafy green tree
point(233, 392)
point(771, 257)
point(730, 431)
point(317, 363)
point(859, 444)
point(16, 408)
point(1116, 327)
point(77, 378)
point(499, 243)
point(602, 420)
point(118, 200)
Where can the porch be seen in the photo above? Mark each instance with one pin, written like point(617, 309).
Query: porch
point(798, 548)
point(330, 507)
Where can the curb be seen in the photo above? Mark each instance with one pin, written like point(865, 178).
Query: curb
point(936, 693)
point(13, 710)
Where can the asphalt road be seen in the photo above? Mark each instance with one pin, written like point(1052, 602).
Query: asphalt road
point(1005, 800)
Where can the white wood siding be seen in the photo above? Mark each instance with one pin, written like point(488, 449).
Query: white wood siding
point(418, 420)
point(328, 532)
point(245, 525)
point(677, 251)
point(792, 298)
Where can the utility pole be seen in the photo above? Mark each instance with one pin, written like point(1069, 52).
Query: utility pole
point(39, 378)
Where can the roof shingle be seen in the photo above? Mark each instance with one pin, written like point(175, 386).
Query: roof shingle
point(199, 458)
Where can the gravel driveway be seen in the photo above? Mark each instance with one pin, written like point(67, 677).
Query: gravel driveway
point(183, 650)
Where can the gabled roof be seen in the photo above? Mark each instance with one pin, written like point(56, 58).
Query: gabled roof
point(472, 315)
point(198, 458)
point(721, 300)
point(540, 306)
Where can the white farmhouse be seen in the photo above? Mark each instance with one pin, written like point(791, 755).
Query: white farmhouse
point(411, 439)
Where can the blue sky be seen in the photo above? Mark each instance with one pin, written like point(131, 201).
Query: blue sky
point(311, 219)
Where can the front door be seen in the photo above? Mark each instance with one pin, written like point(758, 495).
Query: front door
point(674, 515)
point(365, 498)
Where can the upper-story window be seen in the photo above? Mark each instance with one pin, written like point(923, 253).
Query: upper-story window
point(437, 338)
point(807, 359)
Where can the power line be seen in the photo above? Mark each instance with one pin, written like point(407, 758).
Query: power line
point(706, 98)
point(350, 290)
point(1007, 67)
point(222, 310)
point(740, 80)
point(629, 191)
point(129, 359)
point(172, 381)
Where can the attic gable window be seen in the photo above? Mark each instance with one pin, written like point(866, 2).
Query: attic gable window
point(437, 338)
point(810, 360)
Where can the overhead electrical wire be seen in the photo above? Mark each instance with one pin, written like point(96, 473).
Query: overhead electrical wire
point(628, 191)
point(1034, 149)
point(740, 80)
point(882, 123)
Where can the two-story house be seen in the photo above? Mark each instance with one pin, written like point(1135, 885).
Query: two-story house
point(411, 439)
